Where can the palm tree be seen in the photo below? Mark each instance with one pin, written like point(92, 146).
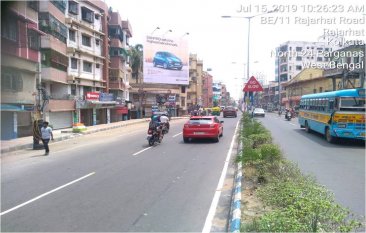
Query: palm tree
point(136, 56)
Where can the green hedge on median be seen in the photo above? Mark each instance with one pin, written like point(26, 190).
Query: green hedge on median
point(297, 202)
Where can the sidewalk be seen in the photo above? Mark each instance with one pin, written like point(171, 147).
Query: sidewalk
point(63, 134)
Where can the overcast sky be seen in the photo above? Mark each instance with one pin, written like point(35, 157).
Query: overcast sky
point(221, 41)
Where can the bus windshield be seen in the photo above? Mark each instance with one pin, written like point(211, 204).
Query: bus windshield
point(353, 104)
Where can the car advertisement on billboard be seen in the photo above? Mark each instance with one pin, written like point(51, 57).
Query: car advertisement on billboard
point(166, 60)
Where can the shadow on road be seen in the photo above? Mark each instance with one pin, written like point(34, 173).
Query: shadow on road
point(341, 143)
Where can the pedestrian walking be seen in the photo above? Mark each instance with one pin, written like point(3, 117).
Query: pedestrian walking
point(46, 132)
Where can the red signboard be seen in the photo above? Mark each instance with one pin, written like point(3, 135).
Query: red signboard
point(92, 96)
point(122, 110)
point(253, 85)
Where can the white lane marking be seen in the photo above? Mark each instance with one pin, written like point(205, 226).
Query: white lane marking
point(292, 124)
point(45, 194)
point(215, 200)
point(142, 150)
point(177, 134)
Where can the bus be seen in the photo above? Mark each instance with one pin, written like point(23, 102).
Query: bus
point(335, 114)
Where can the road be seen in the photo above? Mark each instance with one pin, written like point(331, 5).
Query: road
point(340, 167)
point(112, 181)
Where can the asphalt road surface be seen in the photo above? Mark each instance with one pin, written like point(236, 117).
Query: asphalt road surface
point(112, 181)
point(340, 167)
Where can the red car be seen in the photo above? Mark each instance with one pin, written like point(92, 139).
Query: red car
point(229, 111)
point(203, 127)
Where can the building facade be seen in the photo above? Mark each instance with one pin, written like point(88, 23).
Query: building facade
point(294, 56)
point(194, 90)
point(20, 45)
point(207, 93)
point(119, 71)
point(308, 81)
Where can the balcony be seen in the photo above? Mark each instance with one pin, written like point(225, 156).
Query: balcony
point(116, 73)
point(55, 105)
point(51, 42)
point(116, 43)
point(127, 27)
point(54, 75)
point(85, 25)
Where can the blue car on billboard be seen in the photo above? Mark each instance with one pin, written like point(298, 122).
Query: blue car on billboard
point(167, 60)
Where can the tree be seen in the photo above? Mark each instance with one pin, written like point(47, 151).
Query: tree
point(136, 62)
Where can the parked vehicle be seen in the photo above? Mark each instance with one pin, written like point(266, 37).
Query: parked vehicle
point(203, 127)
point(229, 111)
point(167, 60)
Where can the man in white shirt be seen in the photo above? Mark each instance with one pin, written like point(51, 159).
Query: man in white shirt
point(46, 132)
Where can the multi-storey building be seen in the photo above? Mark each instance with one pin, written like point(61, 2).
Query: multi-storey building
point(87, 52)
point(20, 45)
point(119, 70)
point(194, 90)
point(207, 93)
point(55, 62)
point(294, 56)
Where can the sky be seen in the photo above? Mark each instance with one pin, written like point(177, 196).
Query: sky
point(222, 42)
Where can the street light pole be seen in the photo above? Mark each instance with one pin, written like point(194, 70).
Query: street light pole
point(249, 18)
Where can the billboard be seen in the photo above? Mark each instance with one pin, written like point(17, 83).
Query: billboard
point(216, 91)
point(166, 60)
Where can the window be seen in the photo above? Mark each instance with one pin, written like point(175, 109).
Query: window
point(319, 59)
point(87, 15)
point(9, 28)
point(60, 4)
point(97, 42)
point(34, 5)
point(50, 25)
point(73, 89)
point(97, 66)
point(52, 58)
point(72, 35)
point(96, 17)
point(298, 67)
point(86, 40)
point(183, 89)
point(298, 58)
point(298, 49)
point(74, 63)
point(11, 81)
point(73, 8)
point(34, 40)
point(87, 66)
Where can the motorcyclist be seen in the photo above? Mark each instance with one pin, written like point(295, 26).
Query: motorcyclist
point(164, 119)
point(155, 125)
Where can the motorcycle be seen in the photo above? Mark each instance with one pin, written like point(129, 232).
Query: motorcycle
point(165, 128)
point(153, 136)
point(288, 116)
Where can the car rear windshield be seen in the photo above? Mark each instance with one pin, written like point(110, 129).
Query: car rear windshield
point(200, 121)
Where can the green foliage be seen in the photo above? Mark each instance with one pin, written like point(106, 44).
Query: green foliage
point(260, 138)
point(298, 203)
point(270, 152)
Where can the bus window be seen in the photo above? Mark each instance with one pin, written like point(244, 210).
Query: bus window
point(331, 105)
